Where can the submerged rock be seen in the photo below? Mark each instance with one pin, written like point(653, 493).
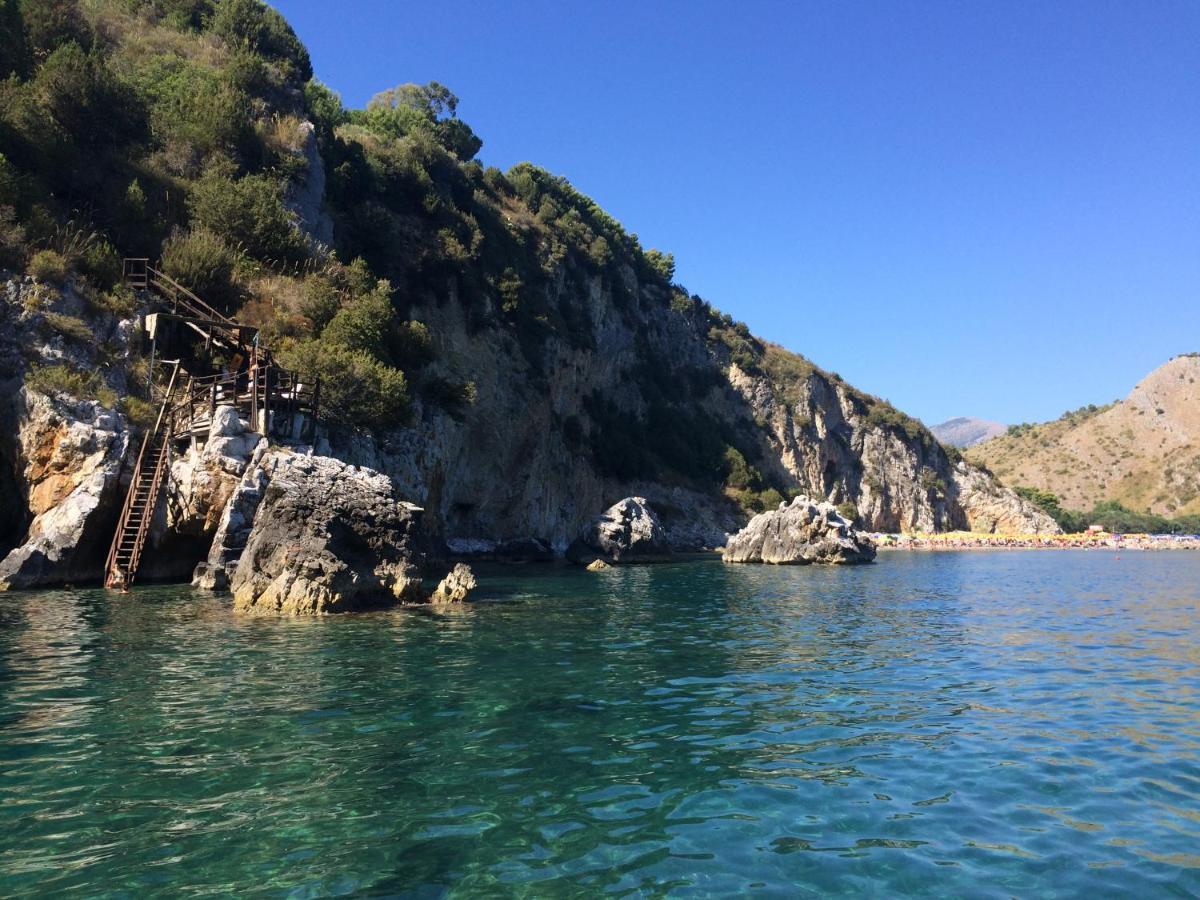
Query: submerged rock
point(327, 537)
point(799, 533)
point(627, 532)
point(455, 587)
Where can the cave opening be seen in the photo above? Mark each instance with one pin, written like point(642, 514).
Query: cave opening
point(14, 512)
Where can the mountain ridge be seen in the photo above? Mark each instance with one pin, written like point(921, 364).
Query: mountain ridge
point(965, 431)
point(1142, 451)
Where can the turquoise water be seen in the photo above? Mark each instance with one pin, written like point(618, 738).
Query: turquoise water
point(941, 724)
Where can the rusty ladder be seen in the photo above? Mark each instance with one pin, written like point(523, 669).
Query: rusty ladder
point(149, 475)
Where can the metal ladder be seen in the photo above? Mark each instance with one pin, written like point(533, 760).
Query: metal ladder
point(149, 472)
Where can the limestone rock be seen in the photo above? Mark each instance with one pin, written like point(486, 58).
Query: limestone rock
point(68, 455)
point(455, 587)
point(210, 578)
point(994, 509)
point(598, 565)
point(799, 533)
point(627, 532)
point(327, 537)
point(235, 524)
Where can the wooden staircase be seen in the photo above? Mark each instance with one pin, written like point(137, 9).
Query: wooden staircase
point(149, 475)
point(275, 403)
point(214, 326)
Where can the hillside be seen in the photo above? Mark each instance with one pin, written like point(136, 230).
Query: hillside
point(966, 431)
point(1142, 452)
point(494, 341)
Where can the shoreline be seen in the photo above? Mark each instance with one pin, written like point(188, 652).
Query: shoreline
point(958, 540)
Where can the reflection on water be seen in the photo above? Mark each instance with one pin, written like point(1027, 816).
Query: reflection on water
point(937, 724)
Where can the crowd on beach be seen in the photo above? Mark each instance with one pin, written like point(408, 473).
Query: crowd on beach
point(961, 540)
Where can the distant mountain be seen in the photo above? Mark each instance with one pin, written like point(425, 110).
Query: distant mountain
point(966, 431)
point(1143, 451)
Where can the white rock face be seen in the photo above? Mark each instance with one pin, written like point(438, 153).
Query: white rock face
point(627, 532)
point(202, 481)
point(799, 533)
point(70, 455)
point(993, 509)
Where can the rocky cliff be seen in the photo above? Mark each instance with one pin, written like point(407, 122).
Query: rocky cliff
point(655, 405)
point(494, 342)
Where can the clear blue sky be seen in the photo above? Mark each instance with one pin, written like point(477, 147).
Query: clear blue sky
point(968, 208)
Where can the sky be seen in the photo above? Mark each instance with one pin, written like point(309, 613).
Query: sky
point(967, 208)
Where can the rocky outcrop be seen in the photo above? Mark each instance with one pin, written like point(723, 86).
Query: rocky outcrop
point(202, 481)
point(992, 509)
point(234, 526)
point(799, 533)
point(327, 537)
point(67, 455)
point(456, 586)
point(626, 532)
point(834, 442)
point(306, 192)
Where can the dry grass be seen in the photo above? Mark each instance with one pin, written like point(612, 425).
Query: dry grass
point(1128, 452)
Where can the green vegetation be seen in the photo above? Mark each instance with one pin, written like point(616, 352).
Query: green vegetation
point(1109, 515)
point(62, 379)
point(882, 414)
point(1070, 417)
point(747, 486)
point(47, 265)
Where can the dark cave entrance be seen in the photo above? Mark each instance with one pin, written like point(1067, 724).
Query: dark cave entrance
point(14, 511)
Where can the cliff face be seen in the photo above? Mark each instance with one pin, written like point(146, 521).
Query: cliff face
point(551, 365)
point(533, 457)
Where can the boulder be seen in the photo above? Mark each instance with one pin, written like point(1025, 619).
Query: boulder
point(627, 532)
point(455, 587)
point(327, 537)
point(210, 577)
point(799, 533)
point(598, 565)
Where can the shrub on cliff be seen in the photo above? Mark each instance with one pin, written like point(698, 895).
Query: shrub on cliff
point(247, 211)
point(253, 26)
point(63, 379)
point(356, 388)
point(48, 265)
point(203, 262)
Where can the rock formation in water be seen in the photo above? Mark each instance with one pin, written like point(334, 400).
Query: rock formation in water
point(627, 532)
point(799, 533)
point(327, 538)
point(456, 586)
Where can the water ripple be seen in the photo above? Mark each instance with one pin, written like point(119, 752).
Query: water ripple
point(938, 724)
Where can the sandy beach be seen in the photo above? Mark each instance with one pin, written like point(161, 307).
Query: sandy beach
point(962, 540)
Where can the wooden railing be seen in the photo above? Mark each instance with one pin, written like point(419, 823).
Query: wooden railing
point(180, 301)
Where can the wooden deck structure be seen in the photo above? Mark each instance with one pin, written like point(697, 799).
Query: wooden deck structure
point(277, 403)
